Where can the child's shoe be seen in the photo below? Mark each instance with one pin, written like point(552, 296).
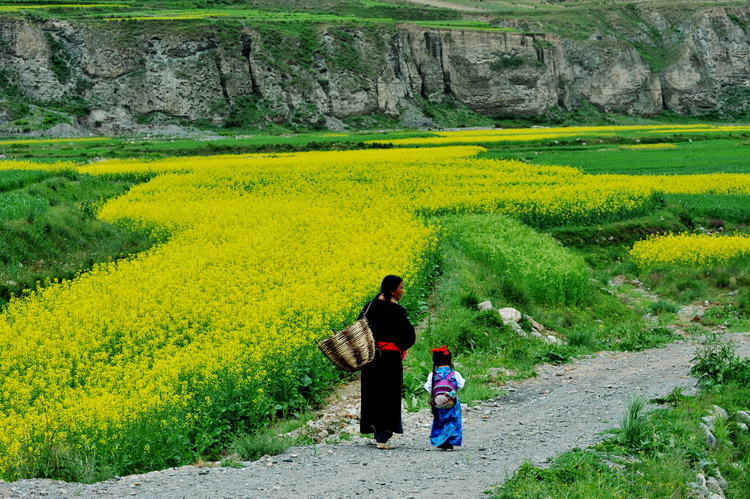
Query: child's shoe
point(385, 446)
point(446, 447)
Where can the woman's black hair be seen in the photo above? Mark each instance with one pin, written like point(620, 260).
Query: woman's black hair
point(389, 285)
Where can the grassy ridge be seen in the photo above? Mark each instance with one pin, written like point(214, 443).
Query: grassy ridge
point(551, 275)
point(49, 229)
point(716, 209)
point(487, 257)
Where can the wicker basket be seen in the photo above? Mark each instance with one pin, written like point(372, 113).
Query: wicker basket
point(352, 348)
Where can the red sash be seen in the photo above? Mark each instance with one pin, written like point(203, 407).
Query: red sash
point(388, 345)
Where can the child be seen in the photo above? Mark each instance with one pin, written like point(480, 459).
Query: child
point(443, 384)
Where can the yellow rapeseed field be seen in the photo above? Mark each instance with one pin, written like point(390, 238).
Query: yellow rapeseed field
point(484, 136)
point(700, 250)
point(150, 360)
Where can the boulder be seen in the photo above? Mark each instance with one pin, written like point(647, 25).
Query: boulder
point(510, 315)
point(713, 485)
point(710, 438)
point(515, 327)
point(485, 305)
point(534, 324)
point(718, 412)
point(743, 416)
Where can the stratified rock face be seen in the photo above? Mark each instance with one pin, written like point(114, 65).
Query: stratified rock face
point(24, 53)
point(127, 73)
point(715, 57)
point(610, 76)
point(490, 72)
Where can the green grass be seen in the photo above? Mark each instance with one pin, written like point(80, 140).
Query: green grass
point(699, 156)
point(715, 208)
point(252, 446)
point(550, 274)
point(18, 206)
point(15, 179)
point(49, 229)
point(725, 287)
point(704, 155)
point(605, 248)
point(607, 244)
point(229, 142)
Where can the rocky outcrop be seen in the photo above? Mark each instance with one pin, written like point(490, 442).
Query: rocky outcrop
point(126, 74)
point(714, 62)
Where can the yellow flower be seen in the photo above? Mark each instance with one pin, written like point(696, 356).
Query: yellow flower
point(227, 307)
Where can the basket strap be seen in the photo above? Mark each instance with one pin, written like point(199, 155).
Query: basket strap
point(367, 309)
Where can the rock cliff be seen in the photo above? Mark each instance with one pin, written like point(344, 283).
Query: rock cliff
point(121, 74)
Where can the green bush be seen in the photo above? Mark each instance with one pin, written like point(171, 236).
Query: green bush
point(717, 363)
point(581, 338)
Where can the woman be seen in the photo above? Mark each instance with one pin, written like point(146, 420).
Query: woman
point(382, 378)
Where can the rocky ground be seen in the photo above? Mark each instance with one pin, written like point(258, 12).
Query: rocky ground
point(565, 406)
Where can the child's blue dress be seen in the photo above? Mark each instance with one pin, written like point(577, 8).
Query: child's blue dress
point(446, 423)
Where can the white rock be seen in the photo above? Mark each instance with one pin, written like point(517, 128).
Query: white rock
point(710, 438)
point(515, 327)
point(713, 486)
point(510, 314)
point(743, 416)
point(718, 412)
point(720, 479)
point(485, 305)
point(709, 421)
point(534, 323)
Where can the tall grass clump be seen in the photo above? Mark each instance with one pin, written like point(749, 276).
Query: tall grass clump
point(532, 264)
point(663, 306)
point(252, 446)
point(634, 424)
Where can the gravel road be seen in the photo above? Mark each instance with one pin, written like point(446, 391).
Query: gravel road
point(565, 406)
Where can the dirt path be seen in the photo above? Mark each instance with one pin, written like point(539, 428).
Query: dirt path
point(564, 407)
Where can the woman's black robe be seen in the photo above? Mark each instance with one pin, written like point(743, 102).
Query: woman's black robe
point(382, 378)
